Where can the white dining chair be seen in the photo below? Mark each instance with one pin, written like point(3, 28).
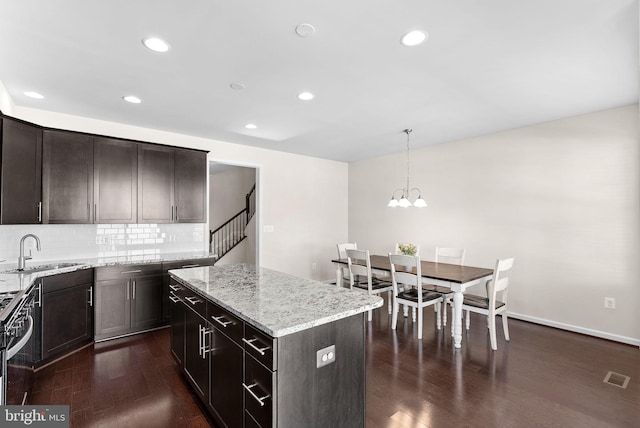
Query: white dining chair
point(406, 277)
point(454, 256)
point(490, 305)
point(342, 255)
point(359, 264)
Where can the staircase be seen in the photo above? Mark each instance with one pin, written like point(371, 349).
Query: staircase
point(232, 232)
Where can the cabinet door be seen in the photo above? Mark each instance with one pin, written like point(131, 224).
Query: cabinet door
point(225, 391)
point(115, 181)
point(155, 184)
point(113, 307)
point(196, 365)
point(177, 328)
point(67, 178)
point(146, 294)
point(191, 186)
point(21, 178)
point(67, 319)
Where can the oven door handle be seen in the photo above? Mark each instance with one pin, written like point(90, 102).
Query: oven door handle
point(23, 340)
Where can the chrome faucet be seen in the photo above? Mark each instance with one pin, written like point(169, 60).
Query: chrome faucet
point(22, 257)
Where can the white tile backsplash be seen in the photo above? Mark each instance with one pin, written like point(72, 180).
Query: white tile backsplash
point(62, 241)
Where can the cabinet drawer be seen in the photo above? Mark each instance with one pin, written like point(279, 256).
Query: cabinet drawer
point(259, 390)
point(226, 322)
point(127, 271)
point(192, 300)
point(261, 346)
point(66, 280)
point(184, 264)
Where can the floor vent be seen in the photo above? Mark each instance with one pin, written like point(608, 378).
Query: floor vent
point(617, 379)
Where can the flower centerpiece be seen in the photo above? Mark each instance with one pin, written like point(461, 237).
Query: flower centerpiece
point(407, 249)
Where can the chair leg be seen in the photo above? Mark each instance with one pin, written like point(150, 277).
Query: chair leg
point(492, 333)
point(444, 312)
point(438, 311)
point(370, 314)
point(394, 317)
point(419, 323)
point(389, 300)
point(413, 314)
point(468, 319)
point(505, 326)
point(405, 310)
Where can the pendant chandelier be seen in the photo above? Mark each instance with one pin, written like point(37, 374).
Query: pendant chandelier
point(404, 201)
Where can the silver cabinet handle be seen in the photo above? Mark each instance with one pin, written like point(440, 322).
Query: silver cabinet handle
point(199, 340)
point(95, 212)
point(259, 350)
point(175, 287)
point(219, 321)
point(193, 300)
point(134, 289)
point(40, 212)
point(177, 216)
point(189, 266)
point(258, 399)
point(39, 302)
point(90, 296)
point(132, 271)
point(128, 283)
point(174, 299)
point(202, 341)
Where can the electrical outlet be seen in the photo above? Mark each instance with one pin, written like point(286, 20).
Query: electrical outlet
point(102, 240)
point(326, 356)
point(610, 302)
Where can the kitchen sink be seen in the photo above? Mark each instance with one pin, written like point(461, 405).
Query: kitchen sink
point(43, 268)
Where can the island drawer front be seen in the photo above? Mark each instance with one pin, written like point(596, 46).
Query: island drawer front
point(259, 390)
point(226, 322)
point(127, 271)
point(261, 346)
point(192, 300)
point(66, 280)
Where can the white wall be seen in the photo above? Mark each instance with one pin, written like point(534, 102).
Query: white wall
point(562, 197)
point(304, 198)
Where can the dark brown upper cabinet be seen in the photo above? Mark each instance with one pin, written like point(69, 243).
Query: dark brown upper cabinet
point(171, 185)
point(115, 180)
point(67, 178)
point(20, 172)
point(191, 186)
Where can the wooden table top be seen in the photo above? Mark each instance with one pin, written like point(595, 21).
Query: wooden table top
point(441, 271)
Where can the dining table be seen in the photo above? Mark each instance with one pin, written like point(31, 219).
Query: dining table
point(458, 278)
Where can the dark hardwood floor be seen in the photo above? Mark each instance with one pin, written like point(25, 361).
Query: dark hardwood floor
point(544, 377)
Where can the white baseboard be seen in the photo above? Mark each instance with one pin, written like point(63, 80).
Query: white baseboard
point(576, 329)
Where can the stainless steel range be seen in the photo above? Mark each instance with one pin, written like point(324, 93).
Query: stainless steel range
point(16, 345)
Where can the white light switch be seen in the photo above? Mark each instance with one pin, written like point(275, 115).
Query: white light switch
point(268, 228)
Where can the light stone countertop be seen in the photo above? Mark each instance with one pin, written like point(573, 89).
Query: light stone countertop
point(11, 282)
point(274, 302)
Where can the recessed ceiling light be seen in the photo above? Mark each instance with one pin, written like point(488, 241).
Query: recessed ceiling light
point(35, 95)
point(306, 96)
point(156, 44)
point(132, 99)
point(250, 126)
point(304, 30)
point(413, 38)
point(237, 86)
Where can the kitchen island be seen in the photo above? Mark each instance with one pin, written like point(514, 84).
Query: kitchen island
point(263, 348)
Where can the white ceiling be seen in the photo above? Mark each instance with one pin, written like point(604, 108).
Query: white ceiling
point(487, 66)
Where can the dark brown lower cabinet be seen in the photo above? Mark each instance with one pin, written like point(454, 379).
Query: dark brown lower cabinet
point(66, 312)
point(179, 264)
point(248, 378)
point(128, 299)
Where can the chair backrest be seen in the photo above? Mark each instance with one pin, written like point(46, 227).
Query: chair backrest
point(406, 270)
point(359, 263)
point(397, 250)
point(500, 280)
point(342, 249)
point(454, 256)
